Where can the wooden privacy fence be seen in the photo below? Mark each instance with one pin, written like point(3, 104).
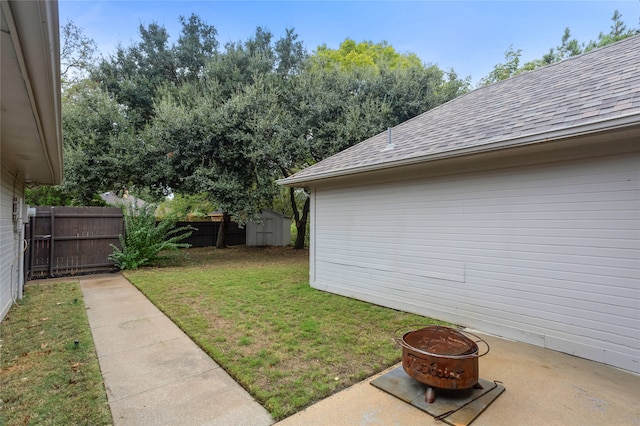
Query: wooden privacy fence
point(206, 234)
point(72, 240)
point(77, 240)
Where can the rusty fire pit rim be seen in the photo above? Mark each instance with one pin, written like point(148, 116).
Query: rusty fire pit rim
point(400, 341)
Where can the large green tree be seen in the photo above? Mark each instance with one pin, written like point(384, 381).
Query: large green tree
point(212, 136)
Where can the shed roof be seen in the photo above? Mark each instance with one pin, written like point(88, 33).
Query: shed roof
point(275, 213)
point(592, 92)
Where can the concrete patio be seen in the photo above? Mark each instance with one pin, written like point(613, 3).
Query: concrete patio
point(543, 387)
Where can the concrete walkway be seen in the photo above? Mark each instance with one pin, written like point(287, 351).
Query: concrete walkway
point(155, 375)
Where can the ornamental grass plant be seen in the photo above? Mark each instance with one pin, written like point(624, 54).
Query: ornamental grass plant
point(145, 238)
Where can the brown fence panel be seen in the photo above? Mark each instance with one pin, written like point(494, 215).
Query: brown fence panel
point(72, 240)
point(206, 234)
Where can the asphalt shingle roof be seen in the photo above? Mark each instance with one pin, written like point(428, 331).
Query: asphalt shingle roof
point(590, 89)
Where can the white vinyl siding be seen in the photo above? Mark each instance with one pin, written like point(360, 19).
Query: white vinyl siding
point(546, 254)
point(9, 242)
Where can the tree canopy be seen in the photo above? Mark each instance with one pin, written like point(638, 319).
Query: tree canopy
point(351, 55)
point(101, 148)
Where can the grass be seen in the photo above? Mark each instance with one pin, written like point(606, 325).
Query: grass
point(45, 378)
point(253, 311)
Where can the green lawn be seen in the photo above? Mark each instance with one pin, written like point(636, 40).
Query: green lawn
point(253, 311)
point(45, 378)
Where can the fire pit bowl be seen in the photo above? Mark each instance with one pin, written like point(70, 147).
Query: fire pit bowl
point(442, 357)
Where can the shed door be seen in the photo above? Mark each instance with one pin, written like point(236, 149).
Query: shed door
point(546, 254)
point(264, 232)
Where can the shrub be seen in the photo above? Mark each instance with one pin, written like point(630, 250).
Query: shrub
point(144, 239)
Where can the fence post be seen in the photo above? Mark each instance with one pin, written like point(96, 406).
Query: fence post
point(32, 224)
point(51, 253)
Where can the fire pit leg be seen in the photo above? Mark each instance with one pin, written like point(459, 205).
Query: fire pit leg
point(478, 386)
point(430, 395)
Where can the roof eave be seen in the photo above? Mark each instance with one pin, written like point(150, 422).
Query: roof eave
point(604, 126)
point(38, 55)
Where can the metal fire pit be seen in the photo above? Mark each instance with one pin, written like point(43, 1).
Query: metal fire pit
point(442, 357)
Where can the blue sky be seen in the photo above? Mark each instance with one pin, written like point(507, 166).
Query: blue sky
point(468, 36)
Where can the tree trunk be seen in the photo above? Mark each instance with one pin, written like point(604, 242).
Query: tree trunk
point(221, 241)
point(301, 224)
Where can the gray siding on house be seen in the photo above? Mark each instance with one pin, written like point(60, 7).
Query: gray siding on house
point(10, 242)
point(547, 254)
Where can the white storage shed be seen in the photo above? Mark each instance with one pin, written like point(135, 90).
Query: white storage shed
point(273, 229)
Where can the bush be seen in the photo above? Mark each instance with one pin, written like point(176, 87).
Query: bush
point(144, 239)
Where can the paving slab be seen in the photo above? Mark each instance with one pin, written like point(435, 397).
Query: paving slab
point(115, 301)
point(149, 367)
point(155, 374)
point(137, 333)
point(193, 401)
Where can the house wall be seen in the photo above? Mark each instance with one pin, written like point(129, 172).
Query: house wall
point(546, 254)
point(11, 273)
